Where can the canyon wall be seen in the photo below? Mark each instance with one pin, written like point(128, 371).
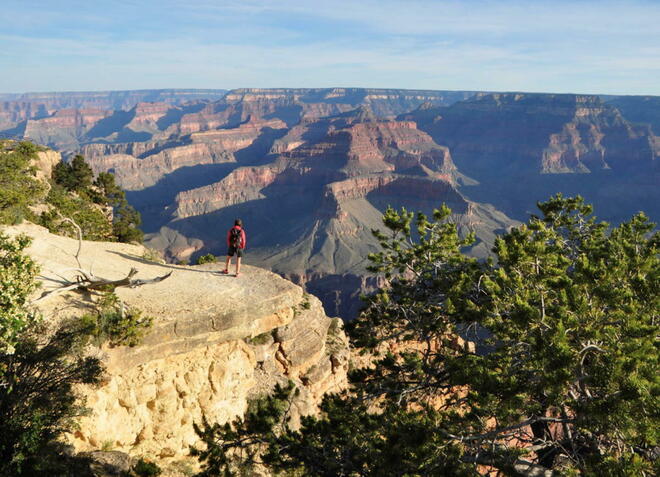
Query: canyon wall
point(514, 133)
point(310, 171)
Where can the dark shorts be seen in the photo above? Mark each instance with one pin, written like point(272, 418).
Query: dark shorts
point(234, 250)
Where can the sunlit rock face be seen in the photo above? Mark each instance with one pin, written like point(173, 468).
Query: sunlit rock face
point(546, 133)
point(217, 342)
point(310, 171)
point(311, 193)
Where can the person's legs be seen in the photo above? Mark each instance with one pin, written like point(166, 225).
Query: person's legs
point(227, 262)
point(238, 265)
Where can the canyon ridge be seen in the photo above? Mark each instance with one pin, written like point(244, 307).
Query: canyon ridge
point(310, 171)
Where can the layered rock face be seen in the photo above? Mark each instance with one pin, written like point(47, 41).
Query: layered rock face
point(312, 208)
point(63, 127)
point(70, 121)
point(45, 162)
point(14, 112)
point(160, 114)
point(217, 341)
point(639, 109)
point(545, 133)
point(310, 171)
point(526, 147)
point(320, 102)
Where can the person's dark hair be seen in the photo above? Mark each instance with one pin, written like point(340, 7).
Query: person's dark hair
point(238, 222)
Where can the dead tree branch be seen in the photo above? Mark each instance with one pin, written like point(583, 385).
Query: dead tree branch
point(87, 281)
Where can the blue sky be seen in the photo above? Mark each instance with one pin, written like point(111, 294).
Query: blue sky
point(595, 46)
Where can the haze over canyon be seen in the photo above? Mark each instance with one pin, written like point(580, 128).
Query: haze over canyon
point(310, 171)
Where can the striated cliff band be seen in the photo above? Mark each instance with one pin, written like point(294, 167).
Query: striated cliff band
point(310, 171)
point(216, 342)
point(126, 116)
point(522, 147)
point(15, 108)
point(312, 191)
point(311, 207)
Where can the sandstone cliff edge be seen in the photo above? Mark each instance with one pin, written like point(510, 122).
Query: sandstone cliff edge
point(217, 341)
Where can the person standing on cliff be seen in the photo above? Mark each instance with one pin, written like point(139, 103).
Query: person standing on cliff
point(236, 243)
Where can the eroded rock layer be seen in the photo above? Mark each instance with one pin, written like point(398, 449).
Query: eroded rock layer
point(310, 171)
point(521, 132)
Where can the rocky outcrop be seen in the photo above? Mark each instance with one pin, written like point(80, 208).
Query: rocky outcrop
point(348, 145)
point(241, 137)
point(45, 162)
point(141, 165)
point(136, 174)
point(639, 109)
point(522, 147)
point(312, 208)
point(91, 152)
point(147, 115)
point(217, 342)
point(170, 114)
point(14, 112)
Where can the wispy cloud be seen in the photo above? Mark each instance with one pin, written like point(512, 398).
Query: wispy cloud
point(579, 46)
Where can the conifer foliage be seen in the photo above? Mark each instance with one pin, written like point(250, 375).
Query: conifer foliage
point(555, 371)
point(19, 188)
point(39, 371)
point(78, 195)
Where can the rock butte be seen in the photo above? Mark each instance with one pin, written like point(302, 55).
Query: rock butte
point(216, 342)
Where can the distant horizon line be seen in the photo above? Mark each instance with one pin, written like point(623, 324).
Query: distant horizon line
point(228, 90)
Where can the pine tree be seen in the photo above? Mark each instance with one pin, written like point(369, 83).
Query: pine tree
point(556, 372)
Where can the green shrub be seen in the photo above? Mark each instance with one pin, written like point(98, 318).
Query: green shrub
point(565, 381)
point(208, 258)
point(125, 223)
point(115, 323)
point(38, 398)
point(39, 371)
point(152, 255)
point(261, 339)
point(75, 175)
point(107, 445)
point(181, 467)
point(126, 220)
point(19, 188)
point(93, 222)
point(17, 274)
point(144, 468)
point(74, 191)
point(305, 304)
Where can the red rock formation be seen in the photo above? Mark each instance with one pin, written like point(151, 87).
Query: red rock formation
point(135, 149)
point(146, 115)
point(242, 185)
point(113, 100)
point(137, 174)
point(351, 149)
point(14, 112)
point(64, 127)
point(151, 161)
point(321, 102)
point(237, 138)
